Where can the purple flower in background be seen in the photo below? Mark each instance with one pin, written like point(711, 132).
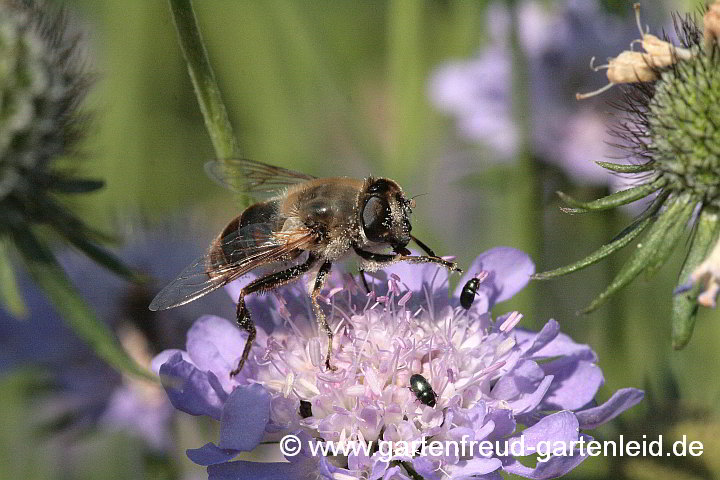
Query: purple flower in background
point(492, 381)
point(557, 45)
point(87, 391)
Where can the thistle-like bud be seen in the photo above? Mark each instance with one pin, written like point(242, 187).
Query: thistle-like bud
point(43, 81)
point(672, 127)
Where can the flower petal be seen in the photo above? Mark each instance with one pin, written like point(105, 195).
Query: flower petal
point(244, 470)
point(426, 467)
point(621, 400)
point(575, 384)
point(416, 275)
point(510, 271)
point(530, 342)
point(426, 281)
point(549, 343)
point(555, 467)
point(164, 356)
point(504, 423)
point(215, 343)
point(210, 454)
point(189, 389)
point(471, 469)
point(528, 402)
point(561, 427)
point(395, 473)
point(244, 418)
point(524, 378)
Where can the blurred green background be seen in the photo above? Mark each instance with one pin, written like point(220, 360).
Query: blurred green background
point(333, 87)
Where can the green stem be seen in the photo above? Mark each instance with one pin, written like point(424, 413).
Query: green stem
point(203, 79)
point(524, 201)
point(10, 296)
point(405, 73)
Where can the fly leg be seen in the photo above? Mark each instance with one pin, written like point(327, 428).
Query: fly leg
point(243, 320)
point(263, 285)
point(424, 247)
point(319, 315)
point(364, 280)
point(420, 244)
point(398, 257)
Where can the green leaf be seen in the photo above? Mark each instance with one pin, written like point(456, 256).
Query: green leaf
point(50, 277)
point(9, 293)
point(75, 185)
point(598, 254)
point(104, 257)
point(664, 229)
point(620, 168)
point(611, 201)
point(621, 240)
point(47, 210)
point(83, 237)
point(685, 305)
point(672, 237)
point(649, 212)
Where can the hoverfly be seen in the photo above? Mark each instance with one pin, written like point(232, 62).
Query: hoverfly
point(311, 222)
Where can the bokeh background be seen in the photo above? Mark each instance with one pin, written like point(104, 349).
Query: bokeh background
point(349, 88)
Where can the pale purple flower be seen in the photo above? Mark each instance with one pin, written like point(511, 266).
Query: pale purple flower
point(490, 378)
point(478, 95)
point(85, 389)
point(558, 44)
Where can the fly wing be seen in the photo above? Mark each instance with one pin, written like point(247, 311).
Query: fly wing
point(196, 280)
point(242, 175)
point(251, 247)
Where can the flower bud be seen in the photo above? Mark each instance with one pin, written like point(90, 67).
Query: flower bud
point(708, 274)
point(632, 67)
point(629, 67)
point(711, 24)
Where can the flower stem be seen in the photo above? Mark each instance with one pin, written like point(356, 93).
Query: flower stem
point(10, 297)
point(203, 79)
point(406, 79)
point(525, 199)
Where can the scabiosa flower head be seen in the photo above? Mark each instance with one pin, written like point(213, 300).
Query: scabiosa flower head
point(671, 127)
point(490, 379)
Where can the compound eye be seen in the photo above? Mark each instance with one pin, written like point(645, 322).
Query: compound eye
point(375, 217)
